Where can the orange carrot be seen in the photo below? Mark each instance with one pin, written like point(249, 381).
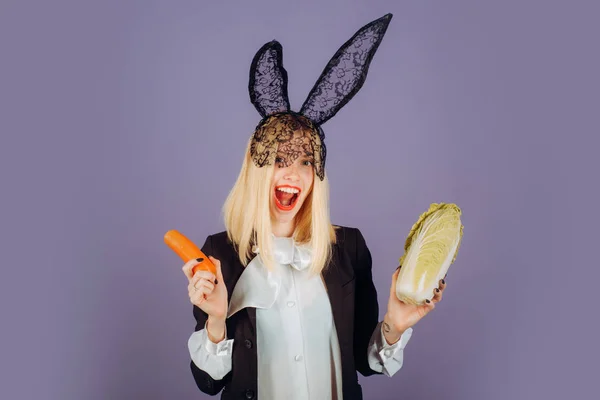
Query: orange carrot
point(187, 250)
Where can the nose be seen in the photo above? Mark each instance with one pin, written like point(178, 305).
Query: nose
point(291, 173)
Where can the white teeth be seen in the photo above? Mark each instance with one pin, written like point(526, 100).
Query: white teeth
point(288, 190)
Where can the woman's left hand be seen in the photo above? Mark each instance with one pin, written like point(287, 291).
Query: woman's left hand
point(401, 316)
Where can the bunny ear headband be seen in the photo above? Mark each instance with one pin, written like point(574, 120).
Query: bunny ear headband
point(283, 135)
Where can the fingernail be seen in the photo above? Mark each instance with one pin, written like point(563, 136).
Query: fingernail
point(199, 259)
point(443, 282)
point(427, 301)
point(216, 281)
point(437, 290)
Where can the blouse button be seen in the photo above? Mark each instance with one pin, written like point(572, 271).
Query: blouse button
point(290, 304)
point(248, 343)
point(298, 357)
point(249, 394)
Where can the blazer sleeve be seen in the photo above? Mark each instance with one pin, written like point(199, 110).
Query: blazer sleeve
point(203, 380)
point(366, 306)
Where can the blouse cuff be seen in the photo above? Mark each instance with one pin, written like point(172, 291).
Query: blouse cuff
point(387, 358)
point(386, 350)
point(213, 358)
point(222, 348)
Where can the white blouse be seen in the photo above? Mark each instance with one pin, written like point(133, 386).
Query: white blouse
point(297, 344)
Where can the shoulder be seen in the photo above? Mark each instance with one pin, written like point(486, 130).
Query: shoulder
point(353, 244)
point(219, 237)
point(349, 237)
point(218, 244)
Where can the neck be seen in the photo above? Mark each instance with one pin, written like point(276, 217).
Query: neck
point(283, 229)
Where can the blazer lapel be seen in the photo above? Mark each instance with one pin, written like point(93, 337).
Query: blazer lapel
point(338, 273)
point(237, 271)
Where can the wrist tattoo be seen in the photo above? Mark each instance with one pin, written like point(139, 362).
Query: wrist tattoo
point(386, 327)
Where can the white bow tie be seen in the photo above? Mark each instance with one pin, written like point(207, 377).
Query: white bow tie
point(287, 252)
point(257, 286)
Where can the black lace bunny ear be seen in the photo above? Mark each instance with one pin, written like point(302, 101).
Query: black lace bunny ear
point(345, 73)
point(268, 80)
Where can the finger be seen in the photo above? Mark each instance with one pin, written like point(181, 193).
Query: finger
point(198, 295)
point(197, 299)
point(188, 266)
point(192, 290)
point(209, 286)
point(437, 295)
point(203, 274)
point(198, 282)
point(428, 306)
point(197, 278)
point(442, 285)
point(218, 267)
point(193, 287)
point(394, 279)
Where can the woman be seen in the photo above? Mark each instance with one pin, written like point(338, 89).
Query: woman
point(292, 312)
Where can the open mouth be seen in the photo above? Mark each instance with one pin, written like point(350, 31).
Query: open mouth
point(286, 197)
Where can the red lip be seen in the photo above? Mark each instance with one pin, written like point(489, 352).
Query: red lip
point(291, 206)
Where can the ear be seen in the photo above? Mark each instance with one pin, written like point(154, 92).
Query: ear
point(268, 80)
point(345, 73)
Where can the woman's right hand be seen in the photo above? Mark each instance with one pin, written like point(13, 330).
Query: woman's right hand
point(207, 291)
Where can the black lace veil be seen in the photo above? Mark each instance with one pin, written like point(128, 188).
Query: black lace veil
point(341, 79)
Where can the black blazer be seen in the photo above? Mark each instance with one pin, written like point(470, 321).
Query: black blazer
point(355, 312)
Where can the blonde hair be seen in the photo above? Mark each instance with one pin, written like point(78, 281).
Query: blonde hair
point(247, 217)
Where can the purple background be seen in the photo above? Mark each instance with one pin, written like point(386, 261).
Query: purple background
point(121, 120)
